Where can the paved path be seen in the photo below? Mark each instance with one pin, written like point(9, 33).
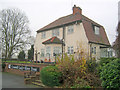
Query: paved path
point(14, 81)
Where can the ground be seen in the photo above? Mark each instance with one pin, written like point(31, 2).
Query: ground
point(14, 81)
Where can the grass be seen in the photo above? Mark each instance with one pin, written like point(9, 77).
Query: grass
point(17, 61)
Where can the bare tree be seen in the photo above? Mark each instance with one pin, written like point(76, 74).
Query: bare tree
point(116, 45)
point(15, 31)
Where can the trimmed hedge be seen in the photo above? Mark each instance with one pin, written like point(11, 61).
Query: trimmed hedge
point(110, 74)
point(51, 76)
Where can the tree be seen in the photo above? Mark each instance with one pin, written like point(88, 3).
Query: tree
point(15, 31)
point(31, 52)
point(21, 55)
point(116, 45)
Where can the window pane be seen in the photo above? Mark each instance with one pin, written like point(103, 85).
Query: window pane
point(70, 29)
point(96, 30)
point(55, 32)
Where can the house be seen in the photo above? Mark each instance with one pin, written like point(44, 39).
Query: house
point(67, 34)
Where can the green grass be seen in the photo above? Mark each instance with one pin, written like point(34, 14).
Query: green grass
point(17, 61)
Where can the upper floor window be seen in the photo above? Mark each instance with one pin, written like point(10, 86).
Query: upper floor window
point(70, 29)
point(55, 32)
point(97, 30)
point(70, 50)
point(43, 35)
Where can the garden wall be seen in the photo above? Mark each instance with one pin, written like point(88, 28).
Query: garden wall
point(22, 68)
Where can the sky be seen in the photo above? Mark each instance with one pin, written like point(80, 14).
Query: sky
point(43, 12)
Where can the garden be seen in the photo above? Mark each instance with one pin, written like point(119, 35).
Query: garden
point(82, 73)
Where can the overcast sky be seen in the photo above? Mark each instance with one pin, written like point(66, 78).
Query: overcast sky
point(43, 12)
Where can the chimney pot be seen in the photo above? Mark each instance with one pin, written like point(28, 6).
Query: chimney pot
point(77, 10)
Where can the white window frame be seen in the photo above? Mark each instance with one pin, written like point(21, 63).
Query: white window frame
point(70, 50)
point(42, 52)
point(97, 30)
point(55, 32)
point(57, 50)
point(70, 29)
point(43, 35)
point(48, 51)
point(94, 50)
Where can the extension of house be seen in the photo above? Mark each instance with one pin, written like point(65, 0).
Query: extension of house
point(69, 34)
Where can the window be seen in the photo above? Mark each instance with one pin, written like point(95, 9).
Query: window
point(70, 50)
point(48, 51)
point(94, 50)
point(70, 29)
point(42, 52)
point(96, 30)
point(43, 35)
point(55, 32)
point(57, 50)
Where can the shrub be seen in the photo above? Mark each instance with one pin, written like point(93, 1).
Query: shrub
point(110, 74)
point(80, 83)
point(104, 61)
point(91, 65)
point(3, 65)
point(51, 76)
point(71, 69)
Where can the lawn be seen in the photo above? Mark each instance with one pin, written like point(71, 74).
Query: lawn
point(17, 61)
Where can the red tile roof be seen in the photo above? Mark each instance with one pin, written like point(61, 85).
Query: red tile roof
point(87, 23)
point(53, 40)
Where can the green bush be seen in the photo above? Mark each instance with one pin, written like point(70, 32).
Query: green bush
point(91, 65)
point(104, 61)
point(51, 76)
point(110, 74)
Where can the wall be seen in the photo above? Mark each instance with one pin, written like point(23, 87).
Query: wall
point(20, 72)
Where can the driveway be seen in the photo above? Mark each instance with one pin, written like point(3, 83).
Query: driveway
point(14, 81)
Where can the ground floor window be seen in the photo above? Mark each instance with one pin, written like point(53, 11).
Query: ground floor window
point(42, 52)
point(94, 50)
point(57, 50)
point(48, 51)
point(70, 50)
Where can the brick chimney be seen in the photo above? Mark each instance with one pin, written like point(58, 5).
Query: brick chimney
point(77, 10)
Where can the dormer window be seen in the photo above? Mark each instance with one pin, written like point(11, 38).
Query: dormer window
point(97, 30)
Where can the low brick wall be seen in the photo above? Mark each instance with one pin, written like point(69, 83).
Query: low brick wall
point(9, 68)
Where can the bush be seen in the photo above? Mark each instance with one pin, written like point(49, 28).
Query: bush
point(3, 65)
point(104, 61)
point(80, 83)
point(51, 76)
point(110, 74)
point(71, 69)
point(91, 65)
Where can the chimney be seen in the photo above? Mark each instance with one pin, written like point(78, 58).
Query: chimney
point(77, 10)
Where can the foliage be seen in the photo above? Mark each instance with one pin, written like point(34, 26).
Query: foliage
point(3, 65)
point(91, 65)
point(80, 83)
point(50, 76)
point(31, 52)
point(110, 74)
point(15, 31)
point(71, 69)
point(104, 61)
point(21, 55)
